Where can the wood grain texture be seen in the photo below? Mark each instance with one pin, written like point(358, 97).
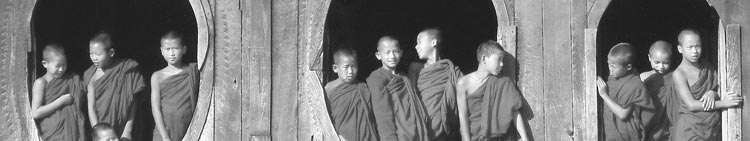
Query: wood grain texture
point(206, 57)
point(256, 69)
point(581, 118)
point(530, 58)
point(587, 126)
point(595, 12)
point(228, 71)
point(730, 81)
point(285, 72)
point(557, 69)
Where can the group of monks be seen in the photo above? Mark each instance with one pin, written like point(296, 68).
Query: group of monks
point(101, 105)
point(431, 101)
point(663, 104)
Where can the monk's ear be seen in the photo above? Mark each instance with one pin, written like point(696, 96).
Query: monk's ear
point(434, 42)
point(335, 68)
point(679, 48)
point(629, 67)
point(111, 52)
point(44, 63)
point(377, 55)
point(649, 57)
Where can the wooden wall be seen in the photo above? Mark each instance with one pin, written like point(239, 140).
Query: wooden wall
point(265, 85)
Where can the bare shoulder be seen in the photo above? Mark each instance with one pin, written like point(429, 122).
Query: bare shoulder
point(331, 85)
point(40, 82)
point(157, 77)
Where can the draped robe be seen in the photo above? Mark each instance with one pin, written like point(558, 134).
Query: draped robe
point(437, 87)
point(661, 89)
point(67, 122)
point(628, 92)
point(351, 112)
point(115, 91)
point(398, 110)
point(492, 108)
point(179, 94)
point(703, 125)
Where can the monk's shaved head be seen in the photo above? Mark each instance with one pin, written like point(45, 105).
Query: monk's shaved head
point(687, 33)
point(432, 33)
point(344, 52)
point(488, 48)
point(387, 41)
point(620, 54)
point(660, 48)
point(173, 35)
point(53, 52)
point(102, 38)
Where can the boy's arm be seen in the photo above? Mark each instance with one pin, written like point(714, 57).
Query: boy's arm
point(156, 107)
point(681, 84)
point(621, 113)
point(93, 119)
point(521, 126)
point(40, 111)
point(463, 108)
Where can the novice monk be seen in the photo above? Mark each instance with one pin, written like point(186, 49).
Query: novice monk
point(56, 97)
point(696, 79)
point(174, 90)
point(104, 132)
point(658, 84)
point(488, 104)
point(350, 100)
point(625, 97)
point(112, 85)
point(436, 81)
point(397, 108)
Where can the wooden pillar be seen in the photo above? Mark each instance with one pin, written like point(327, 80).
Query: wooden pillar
point(730, 74)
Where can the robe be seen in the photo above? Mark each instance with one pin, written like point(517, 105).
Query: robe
point(179, 94)
point(628, 92)
point(351, 112)
point(115, 91)
point(398, 110)
point(666, 102)
point(699, 125)
point(492, 107)
point(67, 122)
point(437, 87)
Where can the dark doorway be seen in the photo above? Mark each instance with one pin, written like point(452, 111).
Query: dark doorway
point(642, 22)
point(359, 24)
point(136, 27)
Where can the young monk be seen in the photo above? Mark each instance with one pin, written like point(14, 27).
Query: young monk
point(399, 113)
point(659, 86)
point(436, 80)
point(625, 97)
point(112, 84)
point(56, 98)
point(104, 132)
point(349, 99)
point(695, 79)
point(489, 104)
point(174, 90)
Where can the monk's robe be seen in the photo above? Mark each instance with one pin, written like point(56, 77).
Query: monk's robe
point(661, 89)
point(399, 113)
point(628, 92)
point(437, 86)
point(699, 125)
point(492, 107)
point(115, 91)
point(179, 94)
point(67, 122)
point(351, 112)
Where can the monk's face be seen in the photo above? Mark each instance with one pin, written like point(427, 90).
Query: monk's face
point(55, 65)
point(106, 135)
point(690, 47)
point(389, 53)
point(346, 67)
point(493, 63)
point(618, 70)
point(659, 61)
point(172, 51)
point(425, 45)
point(99, 54)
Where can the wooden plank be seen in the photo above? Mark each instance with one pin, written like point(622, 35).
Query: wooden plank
point(284, 65)
point(588, 129)
point(17, 31)
point(256, 69)
point(731, 82)
point(557, 57)
point(228, 71)
point(202, 120)
point(530, 59)
point(581, 43)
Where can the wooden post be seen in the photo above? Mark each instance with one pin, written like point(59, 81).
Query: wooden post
point(586, 127)
point(730, 80)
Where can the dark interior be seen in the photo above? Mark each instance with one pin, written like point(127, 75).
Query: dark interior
point(642, 22)
point(136, 27)
point(358, 24)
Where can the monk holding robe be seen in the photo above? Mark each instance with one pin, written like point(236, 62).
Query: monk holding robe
point(399, 113)
point(625, 96)
point(112, 85)
point(436, 82)
point(489, 103)
point(56, 99)
point(349, 99)
point(658, 84)
point(174, 90)
point(696, 84)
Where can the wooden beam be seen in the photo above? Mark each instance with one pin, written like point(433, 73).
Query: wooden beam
point(531, 63)
point(256, 69)
point(228, 71)
point(586, 127)
point(557, 69)
point(284, 84)
point(730, 81)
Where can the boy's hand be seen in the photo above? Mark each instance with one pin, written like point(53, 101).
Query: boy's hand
point(732, 100)
point(601, 85)
point(708, 99)
point(66, 99)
